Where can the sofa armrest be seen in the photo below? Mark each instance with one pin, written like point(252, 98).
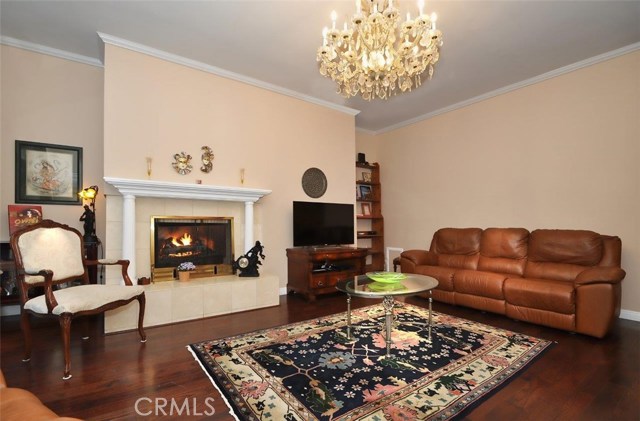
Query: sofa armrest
point(600, 275)
point(420, 257)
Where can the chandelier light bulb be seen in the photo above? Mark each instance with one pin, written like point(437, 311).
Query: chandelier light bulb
point(375, 53)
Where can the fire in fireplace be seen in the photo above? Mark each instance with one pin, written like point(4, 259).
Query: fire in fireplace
point(207, 242)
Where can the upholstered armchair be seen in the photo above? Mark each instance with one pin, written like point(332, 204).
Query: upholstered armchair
point(48, 255)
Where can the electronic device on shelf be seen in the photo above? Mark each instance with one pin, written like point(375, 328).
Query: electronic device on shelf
point(322, 224)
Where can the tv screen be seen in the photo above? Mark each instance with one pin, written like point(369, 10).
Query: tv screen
point(319, 224)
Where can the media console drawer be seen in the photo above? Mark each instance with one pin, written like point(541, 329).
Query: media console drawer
point(313, 271)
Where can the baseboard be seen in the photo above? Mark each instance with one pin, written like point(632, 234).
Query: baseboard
point(630, 315)
point(283, 291)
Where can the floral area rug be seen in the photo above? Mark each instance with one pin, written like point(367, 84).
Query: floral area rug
point(311, 371)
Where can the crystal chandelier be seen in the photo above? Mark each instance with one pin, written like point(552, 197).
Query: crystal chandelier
point(373, 57)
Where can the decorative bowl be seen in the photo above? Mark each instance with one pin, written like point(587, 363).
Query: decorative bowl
point(386, 277)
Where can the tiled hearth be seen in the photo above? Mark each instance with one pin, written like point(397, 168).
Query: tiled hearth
point(129, 217)
point(174, 301)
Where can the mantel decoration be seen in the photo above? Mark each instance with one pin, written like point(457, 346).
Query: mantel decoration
point(182, 163)
point(207, 158)
point(184, 270)
point(373, 56)
point(248, 263)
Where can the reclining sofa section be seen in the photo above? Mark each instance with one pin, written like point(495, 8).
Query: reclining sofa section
point(566, 279)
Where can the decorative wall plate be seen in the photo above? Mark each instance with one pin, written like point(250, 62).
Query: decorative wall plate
point(314, 182)
point(182, 163)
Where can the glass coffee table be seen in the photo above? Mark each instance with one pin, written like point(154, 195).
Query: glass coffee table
point(404, 284)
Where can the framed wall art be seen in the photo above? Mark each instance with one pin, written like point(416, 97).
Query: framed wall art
point(48, 174)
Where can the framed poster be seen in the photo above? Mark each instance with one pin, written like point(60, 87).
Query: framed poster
point(21, 216)
point(48, 174)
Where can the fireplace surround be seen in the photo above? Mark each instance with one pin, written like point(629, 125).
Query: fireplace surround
point(130, 189)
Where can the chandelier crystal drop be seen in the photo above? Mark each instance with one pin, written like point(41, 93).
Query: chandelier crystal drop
point(374, 56)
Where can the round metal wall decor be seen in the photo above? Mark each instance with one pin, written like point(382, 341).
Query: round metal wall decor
point(314, 182)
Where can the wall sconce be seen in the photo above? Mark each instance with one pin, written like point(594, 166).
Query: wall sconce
point(89, 215)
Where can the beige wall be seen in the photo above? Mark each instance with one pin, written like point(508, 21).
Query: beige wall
point(50, 100)
point(562, 153)
point(156, 108)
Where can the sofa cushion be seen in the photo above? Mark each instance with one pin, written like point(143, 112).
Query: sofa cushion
point(442, 274)
point(503, 250)
point(457, 247)
point(542, 294)
point(562, 254)
point(573, 247)
point(483, 284)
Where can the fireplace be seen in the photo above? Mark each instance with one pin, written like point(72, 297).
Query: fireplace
point(207, 242)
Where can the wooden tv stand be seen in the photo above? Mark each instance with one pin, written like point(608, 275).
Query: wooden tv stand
point(316, 270)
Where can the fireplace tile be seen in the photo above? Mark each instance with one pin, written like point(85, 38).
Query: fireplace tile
point(156, 309)
point(150, 206)
point(187, 301)
point(243, 294)
point(212, 296)
point(176, 207)
point(113, 209)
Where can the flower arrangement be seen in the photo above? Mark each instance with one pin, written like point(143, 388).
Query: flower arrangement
point(186, 267)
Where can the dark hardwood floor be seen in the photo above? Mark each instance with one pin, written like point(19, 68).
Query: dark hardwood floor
point(580, 378)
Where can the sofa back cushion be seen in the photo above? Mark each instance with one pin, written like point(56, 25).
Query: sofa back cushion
point(457, 247)
point(562, 254)
point(504, 250)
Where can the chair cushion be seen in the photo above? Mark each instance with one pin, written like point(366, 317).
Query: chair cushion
point(84, 298)
point(62, 253)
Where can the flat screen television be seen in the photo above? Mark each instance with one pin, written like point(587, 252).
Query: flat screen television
point(320, 224)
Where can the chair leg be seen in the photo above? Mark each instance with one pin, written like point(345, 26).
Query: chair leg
point(25, 325)
point(65, 326)
point(141, 301)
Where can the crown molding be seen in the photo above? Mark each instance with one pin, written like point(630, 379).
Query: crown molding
point(366, 131)
point(37, 48)
point(536, 79)
point(173, 58)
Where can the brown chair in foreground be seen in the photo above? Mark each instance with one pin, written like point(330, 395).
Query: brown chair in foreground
point(49, 254)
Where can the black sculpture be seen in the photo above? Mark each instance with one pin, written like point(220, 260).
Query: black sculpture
point(248, 263)
point(89, 220)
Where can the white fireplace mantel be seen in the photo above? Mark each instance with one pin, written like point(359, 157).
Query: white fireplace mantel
point(131, 188)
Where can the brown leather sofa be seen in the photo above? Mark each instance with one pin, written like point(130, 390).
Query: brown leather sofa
point(566, 279)
point(19, 404)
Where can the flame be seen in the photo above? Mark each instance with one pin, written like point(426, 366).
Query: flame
point(184, 241)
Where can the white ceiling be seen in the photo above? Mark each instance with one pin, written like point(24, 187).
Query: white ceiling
point(489, 46)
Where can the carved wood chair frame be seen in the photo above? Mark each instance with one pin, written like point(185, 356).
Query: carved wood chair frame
point(50, 285)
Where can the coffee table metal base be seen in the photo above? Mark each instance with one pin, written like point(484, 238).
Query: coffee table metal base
point(388, 302)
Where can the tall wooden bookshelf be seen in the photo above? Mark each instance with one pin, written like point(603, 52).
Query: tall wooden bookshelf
point(369, 214)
